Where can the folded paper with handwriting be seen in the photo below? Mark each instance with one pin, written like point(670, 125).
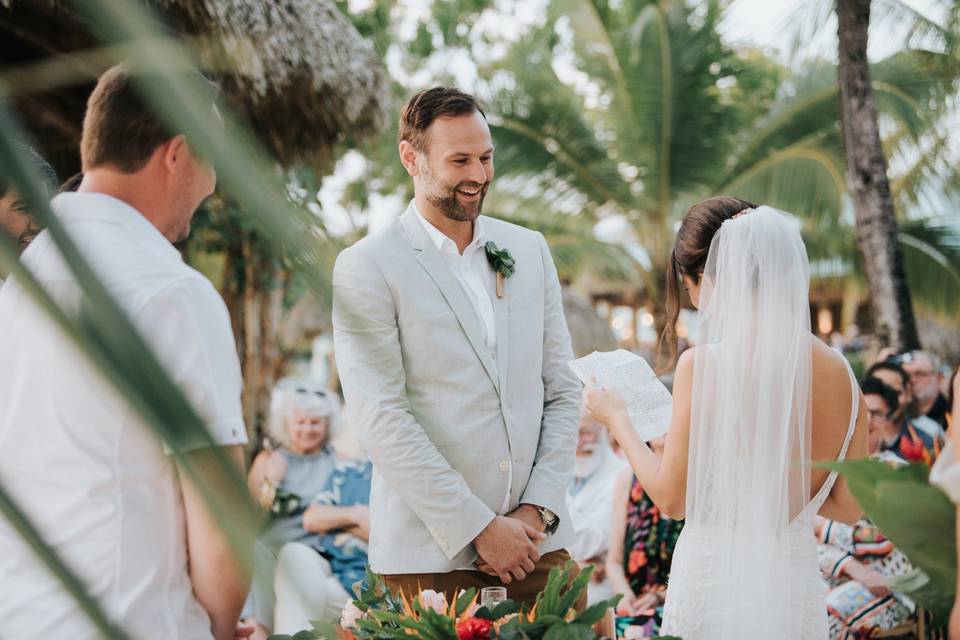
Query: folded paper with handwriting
point(648, 402)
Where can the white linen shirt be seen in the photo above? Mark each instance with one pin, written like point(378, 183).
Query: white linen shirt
point(90, 475)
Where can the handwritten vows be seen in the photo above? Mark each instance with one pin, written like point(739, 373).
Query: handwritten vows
point(648, 401)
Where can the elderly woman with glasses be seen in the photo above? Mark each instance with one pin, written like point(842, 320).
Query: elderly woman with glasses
point(285, 477)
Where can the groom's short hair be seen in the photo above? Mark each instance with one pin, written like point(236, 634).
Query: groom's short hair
point(428, 105)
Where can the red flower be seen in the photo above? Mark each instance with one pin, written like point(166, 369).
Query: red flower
point(474, 629)
point(912, 450)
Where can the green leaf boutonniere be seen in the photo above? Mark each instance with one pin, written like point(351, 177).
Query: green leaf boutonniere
point(501, 262)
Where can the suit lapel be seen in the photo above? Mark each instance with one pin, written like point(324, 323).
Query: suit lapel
point(436, 267)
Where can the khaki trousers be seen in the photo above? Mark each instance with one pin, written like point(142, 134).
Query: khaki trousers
point(452, 582)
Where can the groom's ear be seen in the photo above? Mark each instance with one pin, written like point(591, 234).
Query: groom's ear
point(408, 156)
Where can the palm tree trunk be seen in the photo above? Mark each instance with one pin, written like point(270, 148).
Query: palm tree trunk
point(867, 181)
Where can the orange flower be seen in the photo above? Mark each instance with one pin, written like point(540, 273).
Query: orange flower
point(637, 559)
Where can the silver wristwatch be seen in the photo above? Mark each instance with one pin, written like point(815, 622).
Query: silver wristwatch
point(549, 519)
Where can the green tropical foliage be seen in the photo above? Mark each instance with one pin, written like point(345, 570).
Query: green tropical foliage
point(665, 113)
point(920, 521)
point(396, 616)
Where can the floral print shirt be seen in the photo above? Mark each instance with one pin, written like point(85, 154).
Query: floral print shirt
point(348, 485)
point(648, 543)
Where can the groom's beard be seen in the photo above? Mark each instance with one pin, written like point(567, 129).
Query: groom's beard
point(445, 199)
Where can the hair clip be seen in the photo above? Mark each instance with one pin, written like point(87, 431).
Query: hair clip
point(742, 213)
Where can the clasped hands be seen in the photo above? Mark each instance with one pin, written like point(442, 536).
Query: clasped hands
point(508, 545)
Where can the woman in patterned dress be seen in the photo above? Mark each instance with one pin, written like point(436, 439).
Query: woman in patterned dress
point(641, 548)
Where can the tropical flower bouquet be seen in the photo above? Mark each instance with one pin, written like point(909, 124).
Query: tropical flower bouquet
point(379, 614)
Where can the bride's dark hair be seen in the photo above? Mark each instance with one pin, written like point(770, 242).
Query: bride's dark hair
point(689, 255)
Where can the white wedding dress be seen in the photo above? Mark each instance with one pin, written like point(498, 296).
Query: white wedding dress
point(745, 565)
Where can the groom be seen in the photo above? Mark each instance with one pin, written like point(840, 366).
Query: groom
point(455, 375)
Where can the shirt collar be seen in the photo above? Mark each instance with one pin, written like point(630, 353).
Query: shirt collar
point(105, 208)
point(441, 240)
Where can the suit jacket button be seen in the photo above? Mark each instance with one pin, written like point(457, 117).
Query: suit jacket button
point(504, 465)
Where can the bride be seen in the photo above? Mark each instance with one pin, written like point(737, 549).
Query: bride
point(753, 404)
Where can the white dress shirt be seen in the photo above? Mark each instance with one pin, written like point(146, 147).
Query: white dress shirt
point(91, 476)
point(472, 271)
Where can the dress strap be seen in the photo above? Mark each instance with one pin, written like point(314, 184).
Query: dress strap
point(827, 486)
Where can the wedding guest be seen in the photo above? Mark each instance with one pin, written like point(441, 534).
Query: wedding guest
point(15, 218)
point(284, 479)
point(920, 437)
point(315, 577)
point(642, 540)
point(882, 405)
point(96, 481)
point(857, 561)
point(590, 501)
point(925, 380)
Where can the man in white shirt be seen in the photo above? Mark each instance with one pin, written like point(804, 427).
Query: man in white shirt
point(590, 500)
point(90, 475)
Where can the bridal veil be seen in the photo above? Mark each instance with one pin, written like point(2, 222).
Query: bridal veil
point(748, 475)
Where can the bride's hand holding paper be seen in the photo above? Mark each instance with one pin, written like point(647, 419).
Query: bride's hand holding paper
point(636, 398)
point(607, 407)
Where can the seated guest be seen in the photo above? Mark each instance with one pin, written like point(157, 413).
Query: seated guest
point(315, 577)
point(641, 549)
point(920, 439)
point(284, 479)
point(590, 500)
point(15, 219)
point(857, 561)
point(925, 380)
point(882, 404)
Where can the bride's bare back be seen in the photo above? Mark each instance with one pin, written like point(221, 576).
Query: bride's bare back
point(830, 411)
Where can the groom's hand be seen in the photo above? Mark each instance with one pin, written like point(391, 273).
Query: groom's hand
point(508, 547)
point(528, 514)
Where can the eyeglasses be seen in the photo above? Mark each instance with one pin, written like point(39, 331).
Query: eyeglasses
point(317, 392)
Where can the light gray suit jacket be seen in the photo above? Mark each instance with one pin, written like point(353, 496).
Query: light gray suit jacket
point(439, 415)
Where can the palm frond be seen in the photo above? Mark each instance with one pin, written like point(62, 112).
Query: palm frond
point(931, 253)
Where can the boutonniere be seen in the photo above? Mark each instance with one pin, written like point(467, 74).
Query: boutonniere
point(501, 262)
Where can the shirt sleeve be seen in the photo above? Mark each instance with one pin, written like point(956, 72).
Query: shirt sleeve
point(188, 326)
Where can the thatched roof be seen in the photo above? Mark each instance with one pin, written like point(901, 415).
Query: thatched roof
point(296, 69)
